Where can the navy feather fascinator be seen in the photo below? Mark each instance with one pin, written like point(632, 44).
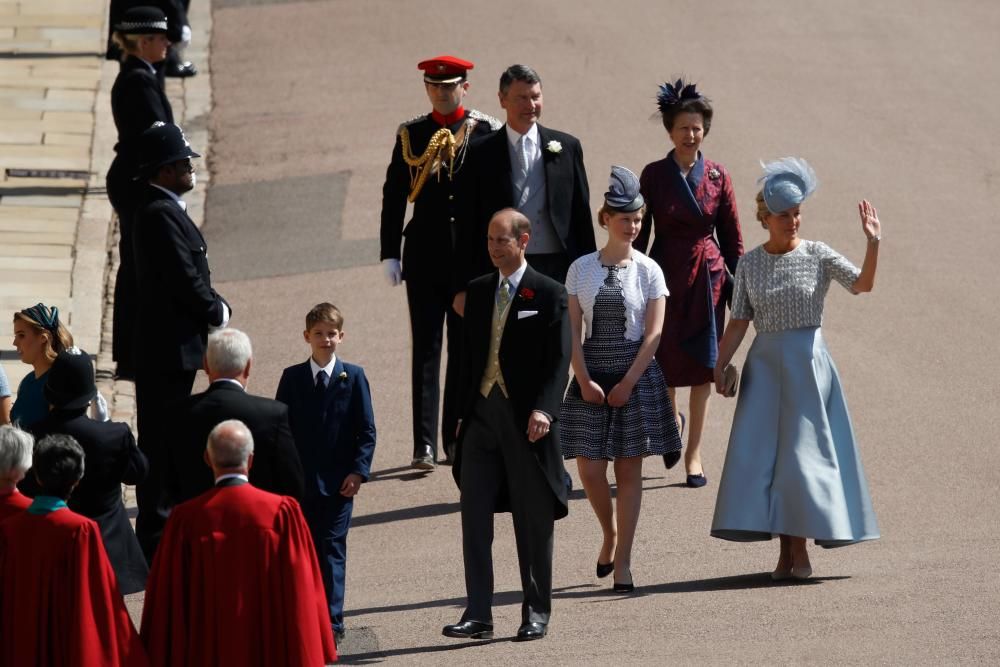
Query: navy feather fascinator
point(671, 94)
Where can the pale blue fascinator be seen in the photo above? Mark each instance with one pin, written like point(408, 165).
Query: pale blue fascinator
point(788, 181)
point(623, 191)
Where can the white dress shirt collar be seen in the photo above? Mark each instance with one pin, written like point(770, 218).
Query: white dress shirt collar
point(236, 382)
point(513, 136)
point(173, 195)
point(515, 278)
point(316, 368)
point(230, 476)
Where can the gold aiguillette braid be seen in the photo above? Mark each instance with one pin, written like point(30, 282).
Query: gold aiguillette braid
point(440, 149)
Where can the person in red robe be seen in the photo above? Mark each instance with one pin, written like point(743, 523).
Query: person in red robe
point(60, 603)
point(15, 460)
point(235, 579)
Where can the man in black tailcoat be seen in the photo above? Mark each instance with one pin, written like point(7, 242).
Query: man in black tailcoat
point(515, 361)
point(535, 169)
point(176, 308)
point(426, 167)
point(276, 465)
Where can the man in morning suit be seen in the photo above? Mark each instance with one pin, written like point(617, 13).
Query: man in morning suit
point(427, 160)
point(276, 465)
point(515, 361)
point(538, 171)
point(235, 581)
point(176, 308)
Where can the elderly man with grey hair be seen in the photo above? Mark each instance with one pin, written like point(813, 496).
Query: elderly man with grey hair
point(61, 604)
point(15, 460)
point(276, 468)
point(262, 543)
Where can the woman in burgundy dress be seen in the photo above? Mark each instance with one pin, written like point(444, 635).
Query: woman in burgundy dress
point(697, 242)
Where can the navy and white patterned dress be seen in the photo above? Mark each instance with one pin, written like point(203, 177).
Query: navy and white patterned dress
point(614, 300)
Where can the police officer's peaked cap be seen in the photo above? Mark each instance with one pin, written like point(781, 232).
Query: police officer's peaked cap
point(142, 21)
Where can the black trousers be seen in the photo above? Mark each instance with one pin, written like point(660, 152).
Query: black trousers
point(124, 194)
point(497, 460)
point(156, 395)
point(555, 265)
point(430, 309)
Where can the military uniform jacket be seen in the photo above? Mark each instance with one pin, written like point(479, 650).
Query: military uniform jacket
point(176, 301)
point(429, 248)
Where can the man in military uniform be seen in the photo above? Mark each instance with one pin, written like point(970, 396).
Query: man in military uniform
point(426, 164)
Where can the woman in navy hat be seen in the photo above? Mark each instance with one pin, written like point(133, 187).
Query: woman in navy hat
point(617, 407)
point(792, 468)
point(113, 459)
point(697, 244)
point(39, 336)
point(137, 101)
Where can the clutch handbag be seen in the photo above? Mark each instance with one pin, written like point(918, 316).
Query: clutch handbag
point(730, 379)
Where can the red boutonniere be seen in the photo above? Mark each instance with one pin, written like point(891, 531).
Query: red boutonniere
point(527, 294)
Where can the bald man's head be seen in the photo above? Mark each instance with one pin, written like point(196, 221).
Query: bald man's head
point(230, 447)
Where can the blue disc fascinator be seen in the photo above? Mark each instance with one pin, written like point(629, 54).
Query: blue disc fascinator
point(787, 182)
point(623, 191)
point(671, 94)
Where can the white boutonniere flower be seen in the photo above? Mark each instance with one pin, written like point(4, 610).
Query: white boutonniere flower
point(342, 376)
point(554, 147)
point(714, 174)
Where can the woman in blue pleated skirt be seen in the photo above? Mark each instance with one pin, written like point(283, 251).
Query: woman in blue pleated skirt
point(792, 466)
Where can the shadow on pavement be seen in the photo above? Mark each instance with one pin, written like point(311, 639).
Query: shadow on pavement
point(422, 512)
point(499, 600)
point(378, 656)
point(735, 583)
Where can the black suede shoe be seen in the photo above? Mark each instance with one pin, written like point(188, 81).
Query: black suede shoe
point(531, 631)
point(469, 630)
point(604, 569)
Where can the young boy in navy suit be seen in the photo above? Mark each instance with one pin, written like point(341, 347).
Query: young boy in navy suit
point(330, 410)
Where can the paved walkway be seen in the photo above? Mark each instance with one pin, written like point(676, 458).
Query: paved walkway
point(57, 242)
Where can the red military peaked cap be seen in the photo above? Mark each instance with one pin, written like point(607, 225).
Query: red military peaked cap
point(444, 69)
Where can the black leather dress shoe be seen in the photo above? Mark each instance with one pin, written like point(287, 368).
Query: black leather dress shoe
point(530, 631)
point(182, 70)
point(469, 630)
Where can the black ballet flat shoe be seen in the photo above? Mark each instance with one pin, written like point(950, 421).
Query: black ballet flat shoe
point(604, 569)
point(670, 459)
point(697, 481)
point(531, 631)
point(469, 630)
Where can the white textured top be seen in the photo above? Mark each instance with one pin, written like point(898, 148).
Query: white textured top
point(780, 292)
point(642, 280)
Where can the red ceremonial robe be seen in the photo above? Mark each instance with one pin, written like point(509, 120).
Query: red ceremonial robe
point(59, 600)
point(235, 581)
point(13, 503)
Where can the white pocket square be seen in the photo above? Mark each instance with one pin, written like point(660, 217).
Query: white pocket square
point(521, 314)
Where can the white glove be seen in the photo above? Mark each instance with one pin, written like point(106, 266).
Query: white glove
point(393, 272)
point(99, 409)
point(185, 36)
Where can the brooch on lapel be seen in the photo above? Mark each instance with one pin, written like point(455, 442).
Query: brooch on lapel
point(714, 174)
point(527, 294)
point(342, 376)
point(554, 147)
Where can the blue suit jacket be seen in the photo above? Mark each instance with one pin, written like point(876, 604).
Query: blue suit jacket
point(335, 432)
